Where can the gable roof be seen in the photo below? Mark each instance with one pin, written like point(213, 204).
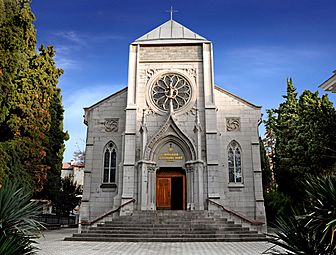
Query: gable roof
point(237, 98)
point(106, 98)
point(330, 84)
point(172, 32)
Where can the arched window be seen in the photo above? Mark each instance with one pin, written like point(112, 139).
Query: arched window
point(234, 162)
point(110, 163)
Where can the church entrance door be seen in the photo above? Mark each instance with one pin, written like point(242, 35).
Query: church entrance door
point(170, 189)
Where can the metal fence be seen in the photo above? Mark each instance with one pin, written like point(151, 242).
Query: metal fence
point(53, 219)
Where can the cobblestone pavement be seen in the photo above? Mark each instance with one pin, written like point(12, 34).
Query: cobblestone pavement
point(52, 244)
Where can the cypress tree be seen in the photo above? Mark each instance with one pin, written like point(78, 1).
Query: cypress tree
point(28, 82)
point(305, 134)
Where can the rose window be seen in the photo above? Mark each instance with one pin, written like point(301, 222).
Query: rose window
point(171, 87)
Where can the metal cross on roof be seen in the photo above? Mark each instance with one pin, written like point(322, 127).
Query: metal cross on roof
point(171, 12)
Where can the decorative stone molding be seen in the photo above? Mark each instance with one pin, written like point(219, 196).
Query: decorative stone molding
point(232, 124)
point(150, 111)
point(150, 72)
point(111, 124)
point(162, 90)
point(156, 138)
point(190, 167)
point(151, 168)
point(192, 111)
point(166, 132)
point(191, 72)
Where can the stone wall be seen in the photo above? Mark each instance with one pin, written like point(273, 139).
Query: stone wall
point(238, 197)
point(170, 53)
point(98, 135)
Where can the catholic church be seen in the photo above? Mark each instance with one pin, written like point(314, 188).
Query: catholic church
point(172, 139)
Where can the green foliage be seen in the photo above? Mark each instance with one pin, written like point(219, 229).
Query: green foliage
point(310, 229)
point(305, 140)
point(265, 168)
point(321, 193)
point(17, 225)
point(68, 197)
point(277, 204)
point(31, 112)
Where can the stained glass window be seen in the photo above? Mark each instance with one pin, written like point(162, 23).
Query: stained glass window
point(234, 162)
point(110, 163)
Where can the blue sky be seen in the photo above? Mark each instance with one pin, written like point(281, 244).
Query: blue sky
point(258, 44)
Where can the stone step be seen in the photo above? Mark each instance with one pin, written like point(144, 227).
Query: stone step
point(154, 231)
point(165, 239)
point(197, 228)
point(169, 226)
point(171, 235)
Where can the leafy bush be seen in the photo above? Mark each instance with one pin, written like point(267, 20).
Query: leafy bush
point(312, 229)
point(17, 225)
point(277, 204)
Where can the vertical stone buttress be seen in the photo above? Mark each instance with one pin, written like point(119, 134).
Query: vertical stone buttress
point(199, 164)
point(130, 133)
point(143, 172)
point(260, 214)
point(210, 120)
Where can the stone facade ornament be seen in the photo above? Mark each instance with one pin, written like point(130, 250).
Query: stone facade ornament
point(111, 124)
point(171, 88)
point(191, 72)
point(192, 111)
point(232, 124)
point(150, 72)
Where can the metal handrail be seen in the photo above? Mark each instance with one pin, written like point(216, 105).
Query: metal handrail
point(242, 217)
point(108, 213)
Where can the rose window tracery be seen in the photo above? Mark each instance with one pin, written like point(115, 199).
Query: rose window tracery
point(171, 87)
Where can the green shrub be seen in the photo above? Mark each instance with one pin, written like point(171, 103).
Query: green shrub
point(18, 228)
point(310, 229)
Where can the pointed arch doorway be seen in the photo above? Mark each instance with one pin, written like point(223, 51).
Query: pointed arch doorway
point(170, 189)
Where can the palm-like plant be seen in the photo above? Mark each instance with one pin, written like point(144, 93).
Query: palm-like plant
point(310, 230)
point(322, 218)
point(18, 228)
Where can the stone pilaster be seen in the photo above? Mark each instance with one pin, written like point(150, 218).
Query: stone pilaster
point(190, 186)
point(130, 133)
point(211, 133)
point(152, 188)
point(260, 214)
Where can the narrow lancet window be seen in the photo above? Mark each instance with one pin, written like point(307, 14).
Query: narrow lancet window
point(110, 163)
point(234, 163)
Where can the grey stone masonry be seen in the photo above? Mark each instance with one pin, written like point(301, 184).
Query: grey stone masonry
point(178, 141)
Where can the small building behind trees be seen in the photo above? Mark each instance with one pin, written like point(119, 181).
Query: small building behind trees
point(330, 84)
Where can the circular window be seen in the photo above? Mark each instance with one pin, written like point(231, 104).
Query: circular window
point(171, 87)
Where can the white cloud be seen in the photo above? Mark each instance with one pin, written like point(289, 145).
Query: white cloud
point(73, 114)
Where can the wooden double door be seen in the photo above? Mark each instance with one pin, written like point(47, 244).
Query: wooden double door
point(170, 189)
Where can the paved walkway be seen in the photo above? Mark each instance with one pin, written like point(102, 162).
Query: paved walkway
point(52, 244)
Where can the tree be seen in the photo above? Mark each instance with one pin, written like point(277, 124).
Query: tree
point(28, 82)
point(68, 197)
point(267, 179)
point(18, 229)
point(305, 133)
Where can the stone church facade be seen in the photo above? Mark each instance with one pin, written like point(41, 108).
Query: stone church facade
point(172, 139)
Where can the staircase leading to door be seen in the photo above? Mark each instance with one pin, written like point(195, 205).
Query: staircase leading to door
point(169, 226)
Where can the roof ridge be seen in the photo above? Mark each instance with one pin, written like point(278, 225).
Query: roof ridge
point(168, 30)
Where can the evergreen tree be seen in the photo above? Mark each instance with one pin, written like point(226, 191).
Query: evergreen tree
point(28, 84)
point(305, 133)
point(69, 196)
point(265, 168)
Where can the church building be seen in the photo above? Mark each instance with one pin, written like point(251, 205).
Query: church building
point(172, 139)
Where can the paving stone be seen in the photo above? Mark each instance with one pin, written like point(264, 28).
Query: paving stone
point(52, 244)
